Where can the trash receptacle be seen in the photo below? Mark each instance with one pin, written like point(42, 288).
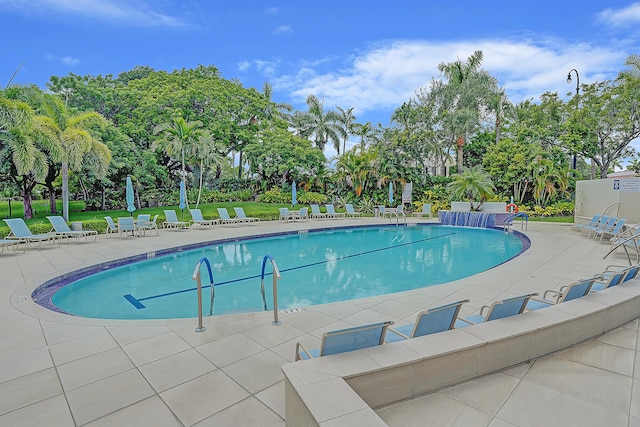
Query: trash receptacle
point(76, 225)
point(376, 212)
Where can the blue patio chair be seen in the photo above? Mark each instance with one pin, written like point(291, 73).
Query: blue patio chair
point(112, 227)
point(315, 212)
point(331, 212)
point(126, 224)
point(149, 225)
point(303, 214)
point(15, 244)
point(608, 279)
point(630, 272)
point(284, 214)
point(426, 210)
point(198, 221)
point(566, 293)
point(225, 218)
point(344, 340)
point(171, 221)
point(61, 228)
point(594, 220)
point(612, 232)
point(242, 217)
point(350, 211)
point(20, 231)
point(604, 224)
point(431, 321)
point(498, 310)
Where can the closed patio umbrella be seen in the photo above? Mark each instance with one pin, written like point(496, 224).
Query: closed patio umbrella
point(294, 194)
point(183, 197)
point(130, 196)
point(390, 193)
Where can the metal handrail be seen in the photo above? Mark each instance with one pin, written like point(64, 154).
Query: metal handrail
point(276, 276)
point(624, 246)
point(524, 219)
point(196, 277)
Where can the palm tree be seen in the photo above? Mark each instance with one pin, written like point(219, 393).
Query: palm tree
point(73, 131)
point(347, 120)
point(32, 144)
point(473, 184)
point(203, 152)
point(472, 87)
point(273, 109)
point(323, 127)
point(177, 137)
point(367, 133)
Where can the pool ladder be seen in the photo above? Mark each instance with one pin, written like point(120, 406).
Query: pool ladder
point(276, 276)
point(197, 278)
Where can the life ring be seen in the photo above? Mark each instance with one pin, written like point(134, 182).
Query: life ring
point(514, 206)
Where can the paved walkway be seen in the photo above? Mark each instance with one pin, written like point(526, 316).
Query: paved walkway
point(66, 371)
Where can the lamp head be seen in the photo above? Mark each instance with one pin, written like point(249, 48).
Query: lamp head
point(569, 77)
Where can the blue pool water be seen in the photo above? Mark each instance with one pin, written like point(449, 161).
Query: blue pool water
point(316, 267)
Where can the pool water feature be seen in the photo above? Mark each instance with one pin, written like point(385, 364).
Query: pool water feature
point(317, 267)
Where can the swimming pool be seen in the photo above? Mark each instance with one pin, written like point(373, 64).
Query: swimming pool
point(316, 266)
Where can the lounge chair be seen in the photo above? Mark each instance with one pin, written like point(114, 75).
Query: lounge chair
point(608, 279)
point(284, 214)
point(225, 218)
point(344, 340)
point(149, 225)
point(612, 231)
point(426, 210)
point(20, 231)
point(604, 224)
point(350, 211)
point(198, 221)
point(126, 224)
point(331, 212)
point(629, 239)
point(61, 228)
point(315, 212)
point(429, 321)
point(566, 293)
point(382, 211)
point(594, 220)
point(243, 217)
point(303, 214)
point(498, 310)
point(112, 227)
point(15, 244)
point(171, 221)
point(630, 272)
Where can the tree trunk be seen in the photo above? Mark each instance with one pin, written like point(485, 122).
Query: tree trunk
point(65, 190)
point(26, 201)
point(460, 146)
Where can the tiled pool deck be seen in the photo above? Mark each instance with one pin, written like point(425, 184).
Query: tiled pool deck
point(58, 370)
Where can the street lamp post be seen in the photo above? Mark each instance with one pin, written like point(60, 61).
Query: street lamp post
point(575, 159)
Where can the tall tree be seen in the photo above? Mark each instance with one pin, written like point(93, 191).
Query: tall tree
point(347, 120)
point(323, 127)
point(472, 87)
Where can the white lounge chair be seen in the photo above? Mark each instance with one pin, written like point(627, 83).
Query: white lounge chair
point(225, 218)
point(242, 217)
point(149, 225)
point(426, 210)
point(199, 221)
point(15, 244)
point(171, 221)
point(112, 227)
point(20, 231)
point(331, 212)
point(61, 228)
point(315, 212)
point(350, 211)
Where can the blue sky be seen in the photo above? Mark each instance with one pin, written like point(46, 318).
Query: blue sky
point(369, 55)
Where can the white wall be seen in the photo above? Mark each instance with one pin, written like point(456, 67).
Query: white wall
point(593, 197)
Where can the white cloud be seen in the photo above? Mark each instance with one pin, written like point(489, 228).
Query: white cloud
point(271, 10)
point(131, 13)
point(388, 74)
point(283, 29)
point(627, 16)
point(67, 60)
point(267, 68)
